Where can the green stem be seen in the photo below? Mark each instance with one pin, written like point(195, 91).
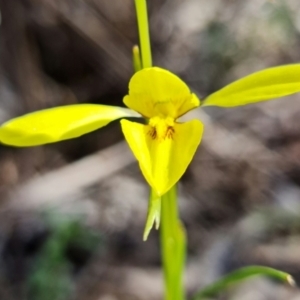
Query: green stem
point(172, 235)
point(173, 245)
point(142, 18)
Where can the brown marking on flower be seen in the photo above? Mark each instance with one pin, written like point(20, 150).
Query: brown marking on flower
point(152, 132)
point(169, 133)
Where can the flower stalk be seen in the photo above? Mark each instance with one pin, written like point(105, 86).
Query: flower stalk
point(143, 26)
point(162, 209)
point(173, 243)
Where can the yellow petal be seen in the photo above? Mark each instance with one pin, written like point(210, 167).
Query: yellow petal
point(59, 123)
point(163, 161)
point(260, 86)
point(155, 91)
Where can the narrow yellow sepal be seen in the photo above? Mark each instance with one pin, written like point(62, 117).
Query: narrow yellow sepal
point(163, 161)
point(59, 123)
point(260, 86)
point(155, 91)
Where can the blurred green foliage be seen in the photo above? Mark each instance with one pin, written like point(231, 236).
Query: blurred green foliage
point(281, 16)
point(51, 276)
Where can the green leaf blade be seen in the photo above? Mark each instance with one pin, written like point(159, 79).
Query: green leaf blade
point(240, 275)
point(260, 86)
point(59, 123)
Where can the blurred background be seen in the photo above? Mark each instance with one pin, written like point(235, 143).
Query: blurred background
point(72, 213)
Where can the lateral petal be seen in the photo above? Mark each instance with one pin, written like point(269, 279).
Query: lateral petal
point(59, 123)
point(163, 161)
point(260, 86)
point(155, 91)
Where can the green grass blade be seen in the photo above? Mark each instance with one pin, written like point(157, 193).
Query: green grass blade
point(240, 275)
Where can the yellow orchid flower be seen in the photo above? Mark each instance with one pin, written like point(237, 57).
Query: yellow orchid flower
point(163, 147)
